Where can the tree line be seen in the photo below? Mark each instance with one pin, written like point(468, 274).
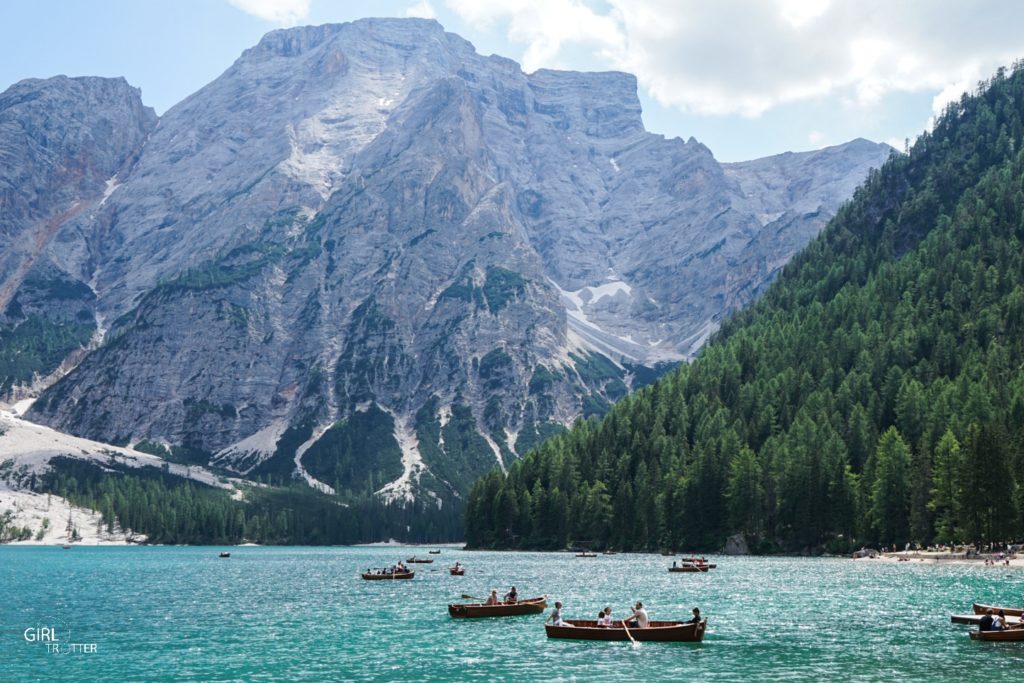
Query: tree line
point(172, 510)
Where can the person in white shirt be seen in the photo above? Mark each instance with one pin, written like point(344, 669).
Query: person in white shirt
point(639, 618)
point(604, 617)
point(556, 616)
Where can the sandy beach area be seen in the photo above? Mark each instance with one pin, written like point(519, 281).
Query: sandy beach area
point(945, 558)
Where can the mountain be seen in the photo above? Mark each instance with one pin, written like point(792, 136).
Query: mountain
point(368, 257)
point(63, 144)
point(873, 395)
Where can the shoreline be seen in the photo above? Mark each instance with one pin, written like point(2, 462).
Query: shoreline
point(958, 559)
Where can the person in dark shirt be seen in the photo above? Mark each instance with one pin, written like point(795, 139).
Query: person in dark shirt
point(696, 616)
point(986, 621)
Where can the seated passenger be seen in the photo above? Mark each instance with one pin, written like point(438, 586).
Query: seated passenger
point(555, 617)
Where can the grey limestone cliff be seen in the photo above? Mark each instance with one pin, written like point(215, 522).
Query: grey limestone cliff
point(372, 258)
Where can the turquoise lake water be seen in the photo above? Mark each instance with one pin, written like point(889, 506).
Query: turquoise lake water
point(273, 614)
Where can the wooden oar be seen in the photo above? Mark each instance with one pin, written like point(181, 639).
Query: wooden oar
point(473, 597)
point(627, 632)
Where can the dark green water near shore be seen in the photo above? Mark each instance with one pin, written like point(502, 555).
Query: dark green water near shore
point(272, 614)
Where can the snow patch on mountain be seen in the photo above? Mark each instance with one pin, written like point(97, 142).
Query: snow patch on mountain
point(494, 447)
point(30, 447)
point(111, 186)
point(54, 520)
point(301, 450)
point(253, 449)
point(412, 463)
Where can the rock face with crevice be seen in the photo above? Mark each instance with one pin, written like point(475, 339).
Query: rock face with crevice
point(368, 255)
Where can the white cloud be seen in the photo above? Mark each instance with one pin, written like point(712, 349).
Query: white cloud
point(735, 57)
point(815, 137)
point(282, 12)
point(546, 27)
point(422, 9)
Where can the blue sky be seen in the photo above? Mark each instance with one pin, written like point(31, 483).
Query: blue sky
point(747, 79)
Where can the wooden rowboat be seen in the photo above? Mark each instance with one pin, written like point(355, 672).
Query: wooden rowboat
point(1015, 635)
point(688, 568)
point(369, 576)
point(658, 631)
point(975, 619)
point(417, 560)
point(1008, 611)
point(457, 571)
point(504, 609)
point(434, 552)
point(586, 554)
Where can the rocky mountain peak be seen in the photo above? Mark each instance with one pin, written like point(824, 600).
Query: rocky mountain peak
point(371, 258)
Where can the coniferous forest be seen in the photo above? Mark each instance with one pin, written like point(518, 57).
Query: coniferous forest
point(874, 395)
point(168, 509)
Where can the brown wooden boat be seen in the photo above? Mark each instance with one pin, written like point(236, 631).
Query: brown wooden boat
point(688, 568)
point(1008, 611)
point(418, 560)
point(1013, 635)
point(586, 554)
point(975, 619)
point(370, 576)
point(658, 631)
point(504, 609)
point(457, 571)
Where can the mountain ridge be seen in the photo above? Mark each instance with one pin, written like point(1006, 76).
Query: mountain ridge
point(356, 221)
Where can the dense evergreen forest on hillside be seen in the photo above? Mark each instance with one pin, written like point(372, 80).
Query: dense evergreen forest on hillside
point(875, 394)
point(169, 509)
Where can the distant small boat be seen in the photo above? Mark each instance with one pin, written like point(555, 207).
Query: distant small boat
point(434, 552)
point(418, 560)
point(611, 552)
point(502, 609)
point(370, 576)
point(658, 631)
point(699, 561)
point(586, 554)
point(66, 546)
point(1008, 611)
point(1015, 635)
point(224, 555)
point(666, 553)
point(457, 571)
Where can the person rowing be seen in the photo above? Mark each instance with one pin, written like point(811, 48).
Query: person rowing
point(639, 618)
point(512, 597)
point(555, 618)
point(696, 616)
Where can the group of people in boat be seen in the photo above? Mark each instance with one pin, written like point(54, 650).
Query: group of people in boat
point(399, 568)
point(638, 619)
point(511, 598)
point(992, 621)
